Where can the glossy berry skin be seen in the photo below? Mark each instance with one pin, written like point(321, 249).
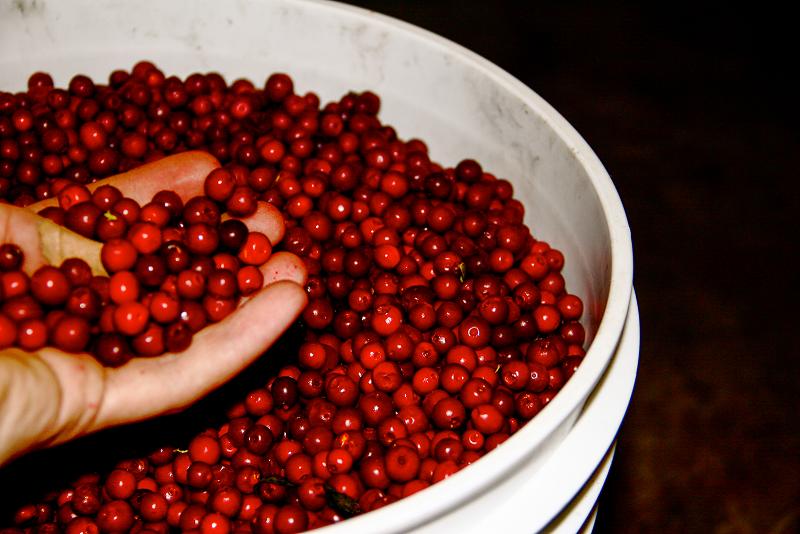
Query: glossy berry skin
point(291, 519)
point(402, 464)
point(202, 238)
point(115, 516)
point(31, 334)
point(130, 318)
point(77, 271)
point(50, 286)
point(436, 324)
point(124, 287)
point(449, 413)
point(71, 334)
point(120, 484)
point(205, 448)
point(145, 237)
point(112, 350)
point(219, 185)
point(153, 507)
point(118, 255)
point(487, 419)
point(11, 257)
point(232, 234)
point(256, 249)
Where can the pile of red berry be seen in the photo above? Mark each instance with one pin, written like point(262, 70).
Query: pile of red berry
point(437, 324)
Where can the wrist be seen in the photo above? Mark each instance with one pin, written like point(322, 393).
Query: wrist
point(29, 401)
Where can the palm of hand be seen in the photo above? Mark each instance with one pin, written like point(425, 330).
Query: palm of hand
point(50, 396)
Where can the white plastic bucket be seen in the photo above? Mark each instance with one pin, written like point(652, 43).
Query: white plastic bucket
point(431, 88)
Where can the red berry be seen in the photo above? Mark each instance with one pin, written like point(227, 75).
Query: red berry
point(402, 464)
point(120, 484)
point(31, 334)
point(115, 516)
point(130, 318)
point(71, 334)
point(123, 287)
point(145, 237)
point(118, 255)
point(219, 185)
point(256, 249)
point(547, 318)
point(291, 519)
point(50, 286)
point(202, 239)
point(487, 419)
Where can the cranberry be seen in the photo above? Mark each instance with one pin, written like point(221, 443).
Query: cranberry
point(112, 349)
point(570, 307)
point(547, 318)
point(123, 287)
point(150, 342)
point(22, 307)
point(190, 284)
point(284, 391)
point(259, 402)
point(204, 448)
point(50, 286)
point(219, 185)
point(279, 86)
point(82, 218)
point(312, 355)
point(120, 484)
point(202, 238)
point(10, 257)
point(227, 501)
point(130, 318)
point(375, 407)
point(242, 202)
point(258, 439)
point(290, 519)
point(402, 464)
point(386, 320)
point(448, 413)
point(453, 377)
point(487, 419)
point(317, 439)
point(256, 249)
point(118, 255)
point(71, 334)
point(150, 270)
point(341, 390)
point(77, 271)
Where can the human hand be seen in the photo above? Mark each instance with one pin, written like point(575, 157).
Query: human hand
point(49, 396)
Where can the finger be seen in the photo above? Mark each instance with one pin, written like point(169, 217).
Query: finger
point(147, 387)
point(284, 266)
point(183, 173)
point(45, 242)
point(267, 219)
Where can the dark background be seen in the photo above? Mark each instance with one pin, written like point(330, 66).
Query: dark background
point(692, 111)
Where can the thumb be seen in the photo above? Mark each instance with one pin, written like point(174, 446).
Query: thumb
point(45, 242)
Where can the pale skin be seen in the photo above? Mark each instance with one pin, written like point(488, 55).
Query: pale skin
point(49, 397)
